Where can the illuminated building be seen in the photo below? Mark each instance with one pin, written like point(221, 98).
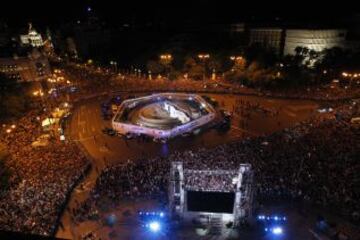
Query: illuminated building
point(33, 38)
point(317, 40)
point(284, 41)
point(270, 38)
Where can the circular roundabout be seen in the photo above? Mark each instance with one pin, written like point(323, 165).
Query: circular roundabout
point(163, 115)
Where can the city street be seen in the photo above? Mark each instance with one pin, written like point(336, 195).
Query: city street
point(86, 128)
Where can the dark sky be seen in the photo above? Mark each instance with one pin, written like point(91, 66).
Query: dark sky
point(54, 12)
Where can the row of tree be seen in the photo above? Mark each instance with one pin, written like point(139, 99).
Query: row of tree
point(259, 66)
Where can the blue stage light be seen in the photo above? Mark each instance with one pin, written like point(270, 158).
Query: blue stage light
point(277, 230)
point(154, 226)
point(161, 214)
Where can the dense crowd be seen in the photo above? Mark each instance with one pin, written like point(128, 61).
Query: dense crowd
point(245, 108)
point(95, 80)
point(325, 92)
point(40, 178)
point(210, 181)
point(315, 161)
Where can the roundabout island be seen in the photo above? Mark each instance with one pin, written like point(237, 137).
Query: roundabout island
point(163, 115)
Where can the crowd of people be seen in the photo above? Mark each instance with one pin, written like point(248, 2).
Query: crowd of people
point(315, 161)
point(245, 108)
point(94, 79)
point(41, 178)
point(210, 181)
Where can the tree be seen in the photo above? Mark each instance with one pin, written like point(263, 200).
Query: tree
point(173, 75)
point(313, 55)
point(338, 59)
point(214, 64)
point(239, 64)
point(4, 171)
point(155, 67)
point(194, 70)
point(189, 63)
point(263, 56)
point(236, 76)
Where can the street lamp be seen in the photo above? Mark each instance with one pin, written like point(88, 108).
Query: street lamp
point(239, 61)
point(166, 59)
point(114, 63)
point(236, 58)
point(203, 58)
point(137, 72)
point(351, 76)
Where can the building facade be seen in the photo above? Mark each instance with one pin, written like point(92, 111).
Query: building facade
point(317, 40)
point(32, 38)
point(285, 41)
point(270, 38)
point(25, 69)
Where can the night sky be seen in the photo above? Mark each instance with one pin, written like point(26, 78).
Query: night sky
point(52, 13)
